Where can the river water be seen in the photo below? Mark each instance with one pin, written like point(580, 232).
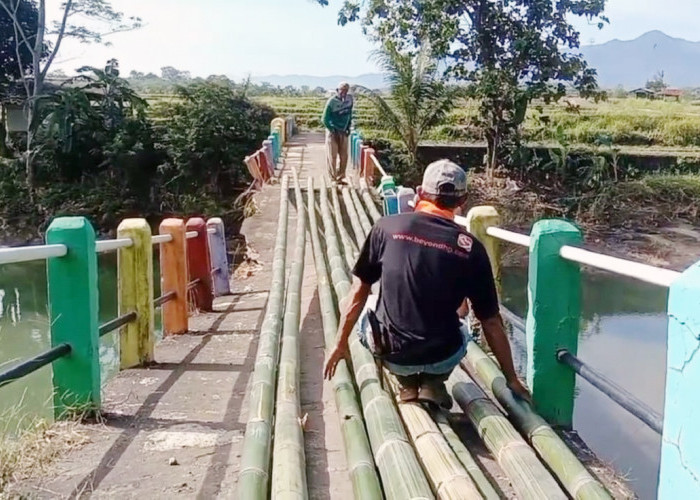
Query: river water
point(623, 335)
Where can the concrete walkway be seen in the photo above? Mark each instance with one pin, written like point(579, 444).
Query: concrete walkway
point(175, 429)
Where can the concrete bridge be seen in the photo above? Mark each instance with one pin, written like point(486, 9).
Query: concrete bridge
point(232, 404)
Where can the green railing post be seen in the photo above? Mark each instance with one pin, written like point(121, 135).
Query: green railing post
point(136, 293)
point(680, 459)
point(554, 296)
point(73, 307)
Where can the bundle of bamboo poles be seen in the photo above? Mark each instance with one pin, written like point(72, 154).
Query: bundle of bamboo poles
point(350, 247)
point(528, 476)
point(464, 456)
point(358, 454)
point(369, 202)
point(289, 461)
point(359, 207)
point(400, 471)
point(255, 460)
point(579, 483)
point(446, 473)
point(355, 224)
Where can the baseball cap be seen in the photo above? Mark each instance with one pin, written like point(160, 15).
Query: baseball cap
point(444, 177)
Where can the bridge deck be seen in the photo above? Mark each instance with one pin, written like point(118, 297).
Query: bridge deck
point(191, 405)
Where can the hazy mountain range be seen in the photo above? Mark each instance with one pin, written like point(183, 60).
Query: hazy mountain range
point(629, 63)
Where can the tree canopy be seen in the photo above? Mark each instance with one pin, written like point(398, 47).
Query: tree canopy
point(11, 70)
point(508, 52)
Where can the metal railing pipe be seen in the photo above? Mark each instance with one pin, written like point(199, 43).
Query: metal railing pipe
point(105, 246)
point(166, 297)
point(637, 270)
point(28, 254)
point(619, 395)
point(116, 323)
point(33, 364)
point(191, 234)
point(377, 164)
point(161, 238)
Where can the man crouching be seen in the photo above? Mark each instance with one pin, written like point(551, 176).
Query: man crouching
point(427, 265)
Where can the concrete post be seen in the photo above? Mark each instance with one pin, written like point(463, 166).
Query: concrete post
point(199, 264)
point(219, 259)
point(136, 293)
point(554, 295)
point(279, 125)
point(479, 219)
point(680, 455)
point(368, 167)
point(173, 277)
point(73, 307)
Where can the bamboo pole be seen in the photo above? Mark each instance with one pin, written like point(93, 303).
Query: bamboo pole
point(359, 207)
point(358, 453)
point(556, 454)
point(350, 247)
point(369, 201)
point(400, 471)
point(464, 456)
point(289, 460)
point(255, 461)
point(528, 476)
point(448, 477)
point(357, 228)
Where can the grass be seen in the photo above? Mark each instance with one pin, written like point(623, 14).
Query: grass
point(29, 446)
point(624, 122)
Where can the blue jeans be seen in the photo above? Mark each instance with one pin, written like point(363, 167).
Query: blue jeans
point(439, 368)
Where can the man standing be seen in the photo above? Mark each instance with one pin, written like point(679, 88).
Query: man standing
point(427, 265)
point(336, 118)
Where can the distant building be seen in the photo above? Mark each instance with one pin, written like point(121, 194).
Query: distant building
point(643, 93)
point(671, 93)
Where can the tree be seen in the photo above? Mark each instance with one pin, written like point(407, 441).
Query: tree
point(10, 71)
point(44, 43)
point(419, 99)
point(174, 75)
point(508, 52)
point(657, 82)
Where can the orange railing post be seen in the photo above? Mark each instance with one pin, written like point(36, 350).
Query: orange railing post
point(173, 276)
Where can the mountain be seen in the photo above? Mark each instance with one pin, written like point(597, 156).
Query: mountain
point(370, 80)
point(631, 63)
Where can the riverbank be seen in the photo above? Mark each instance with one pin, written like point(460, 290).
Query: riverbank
point(653, 220)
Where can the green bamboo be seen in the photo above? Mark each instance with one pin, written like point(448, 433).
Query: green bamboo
point(556, 454)
point(360, 208)
point(400, 471)
point(255, 461)
point(528, 476)
point(350, 247)
point(464, 456)
point(358, 453)
point(289, 460)
point(448, 477)
point(355, 224)
point(369, 201)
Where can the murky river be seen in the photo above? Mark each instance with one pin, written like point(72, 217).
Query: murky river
point(623, 336)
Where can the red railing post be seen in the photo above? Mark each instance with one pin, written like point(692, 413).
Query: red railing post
point(199, 265)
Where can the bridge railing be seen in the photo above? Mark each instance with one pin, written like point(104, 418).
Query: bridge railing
point(552, 332)
point(194, 268)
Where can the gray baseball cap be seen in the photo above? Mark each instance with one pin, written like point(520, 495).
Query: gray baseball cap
point(444, 177)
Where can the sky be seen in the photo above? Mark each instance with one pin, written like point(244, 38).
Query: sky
point(283, 37)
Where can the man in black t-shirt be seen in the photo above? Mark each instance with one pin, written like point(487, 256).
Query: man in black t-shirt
point(427, 265)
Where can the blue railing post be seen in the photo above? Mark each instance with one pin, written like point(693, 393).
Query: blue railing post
point(73, 308)
point(554, 296)
point(679, 476)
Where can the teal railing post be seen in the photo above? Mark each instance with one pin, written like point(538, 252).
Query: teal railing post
point(218, 257)
point(554, 296)
point(680, 456)
point(73, 307)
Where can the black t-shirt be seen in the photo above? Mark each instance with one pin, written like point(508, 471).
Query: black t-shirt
point(427, 265)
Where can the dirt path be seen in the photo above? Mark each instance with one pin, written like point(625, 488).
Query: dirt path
point(175, 429)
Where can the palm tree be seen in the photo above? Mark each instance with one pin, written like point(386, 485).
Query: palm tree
point(418, 99)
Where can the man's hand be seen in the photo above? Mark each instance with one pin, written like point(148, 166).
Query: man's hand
point(519, 389)
point(340, 352)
